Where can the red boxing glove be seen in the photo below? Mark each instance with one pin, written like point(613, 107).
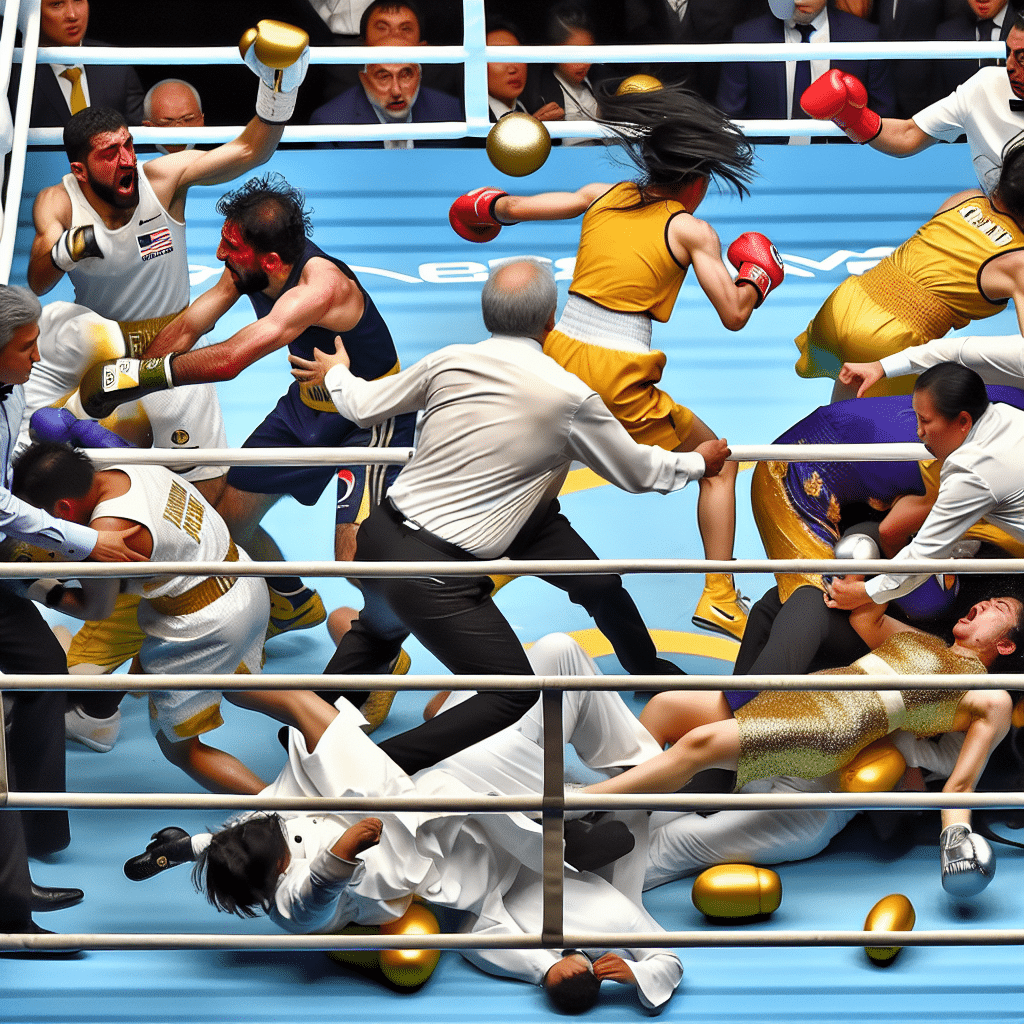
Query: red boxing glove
point(472, 215)
point(758, 263)
point(842, 99)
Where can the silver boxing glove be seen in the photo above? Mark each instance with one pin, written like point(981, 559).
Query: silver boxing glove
point(967, 861)
point(854, 546)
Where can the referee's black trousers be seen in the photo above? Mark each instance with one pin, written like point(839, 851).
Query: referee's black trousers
point(455, 618)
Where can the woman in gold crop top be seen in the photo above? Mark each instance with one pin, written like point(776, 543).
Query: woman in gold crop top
point(811, 734)
point(637, 241)
point(963, 264)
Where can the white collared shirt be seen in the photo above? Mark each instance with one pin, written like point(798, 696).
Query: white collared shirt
point(502, 423)
point(984, 477)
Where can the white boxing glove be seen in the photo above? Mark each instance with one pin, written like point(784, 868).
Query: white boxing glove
point(279, 54)
point(75, 245)
point(967, 861)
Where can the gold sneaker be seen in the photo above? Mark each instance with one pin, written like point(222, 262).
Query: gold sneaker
point(294, 611)
point(376, 707)
point(722, 608)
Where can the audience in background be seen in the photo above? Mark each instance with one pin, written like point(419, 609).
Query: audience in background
point(63, 89)
point(768, 90)
point(173, 103)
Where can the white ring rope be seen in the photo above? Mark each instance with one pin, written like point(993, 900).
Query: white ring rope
point(725, 938)
point(508, 566)
point(891, 452)
point(499, 804)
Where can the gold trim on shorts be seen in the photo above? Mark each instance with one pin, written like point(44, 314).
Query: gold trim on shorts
point(899, 294)
point(139, 334)
point(318, 398)
point(202, 595)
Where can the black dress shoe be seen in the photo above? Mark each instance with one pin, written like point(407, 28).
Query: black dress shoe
point(592, 846)
point(170, 847)
point(44, 898)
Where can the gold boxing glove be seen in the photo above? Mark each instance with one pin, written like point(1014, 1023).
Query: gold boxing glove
point(875, 769)
point(737, 890)
point(406, 968)
point(893, 913)
point(279, 54)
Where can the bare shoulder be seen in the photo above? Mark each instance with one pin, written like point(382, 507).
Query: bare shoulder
point(53, 203)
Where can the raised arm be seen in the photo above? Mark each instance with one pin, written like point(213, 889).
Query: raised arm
point(279, 55)
point(901, 137)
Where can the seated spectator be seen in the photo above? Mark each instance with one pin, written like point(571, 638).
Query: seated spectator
point(983, 21)
point(568, 85)
point(173, 103)
point(772, 91)
point(388, 94)
point(707, 21)
point(392, 23)
point(506, 82)
point(63, 89)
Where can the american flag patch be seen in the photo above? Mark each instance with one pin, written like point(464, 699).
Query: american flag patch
point(155, 243)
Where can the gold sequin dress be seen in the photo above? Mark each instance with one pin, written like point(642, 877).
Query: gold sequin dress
point(813, 733)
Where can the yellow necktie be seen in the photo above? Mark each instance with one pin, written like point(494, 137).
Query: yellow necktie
point(74, 76)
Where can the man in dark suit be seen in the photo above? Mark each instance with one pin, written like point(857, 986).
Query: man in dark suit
point(388, 94)
point(769, 90)
point(983, 21)
point(63, 89)
point(904, 21)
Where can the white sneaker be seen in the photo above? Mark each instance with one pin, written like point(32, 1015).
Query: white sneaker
point(98, 734)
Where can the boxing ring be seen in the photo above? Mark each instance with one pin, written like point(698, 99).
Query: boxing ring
point(830, 212)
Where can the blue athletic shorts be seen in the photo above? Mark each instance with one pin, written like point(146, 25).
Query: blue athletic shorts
point(291, 424)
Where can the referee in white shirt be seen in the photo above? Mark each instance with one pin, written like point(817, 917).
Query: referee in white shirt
point(502, 423)
point(978, 444)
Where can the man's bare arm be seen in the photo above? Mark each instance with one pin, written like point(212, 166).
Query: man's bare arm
point(174, 174)
point(195, 321)
point(324, 296)
point(51, 215)
point(901, 137)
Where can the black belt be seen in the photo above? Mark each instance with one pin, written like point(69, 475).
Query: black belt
point(397, 516)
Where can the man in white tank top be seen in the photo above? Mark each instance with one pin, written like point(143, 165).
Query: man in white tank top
point(213, 624)
point(119, 232)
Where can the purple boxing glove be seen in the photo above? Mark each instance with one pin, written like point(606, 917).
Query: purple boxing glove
point(60, 425)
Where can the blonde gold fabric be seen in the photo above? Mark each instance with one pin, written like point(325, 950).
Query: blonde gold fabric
point(926, 287)
point(813, 733)
point(139, 334)
point(784, 531)
point(201, 595)
point(627, 381)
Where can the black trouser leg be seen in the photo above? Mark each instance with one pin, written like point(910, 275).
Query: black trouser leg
point(455, 618)
point(806, 635)
point(603, 596)
point(35, 743)
point(15, 882)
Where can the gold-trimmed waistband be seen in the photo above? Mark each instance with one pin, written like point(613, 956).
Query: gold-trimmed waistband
point(202, 595)
point(899, 294)
point(318, 398)
point(139, 334)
